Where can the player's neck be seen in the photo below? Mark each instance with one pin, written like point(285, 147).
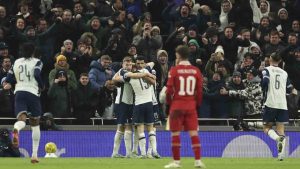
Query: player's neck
point(274, 64)
point(184, 62)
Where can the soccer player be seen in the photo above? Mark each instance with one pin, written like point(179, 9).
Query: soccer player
point(275, 86)
point(184, 95)
point(123, 110)
point(143, 107)
point(26, 72)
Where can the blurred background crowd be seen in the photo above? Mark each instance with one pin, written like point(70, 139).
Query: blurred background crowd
point(82, 43)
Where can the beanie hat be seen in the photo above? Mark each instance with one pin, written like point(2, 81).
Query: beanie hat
point(282, 9)
point(60, 58)
point(156, 28)
point(194, 42)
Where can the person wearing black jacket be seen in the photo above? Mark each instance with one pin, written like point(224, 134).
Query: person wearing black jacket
point(6, 147)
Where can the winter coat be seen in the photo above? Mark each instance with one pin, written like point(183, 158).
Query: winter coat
point(252, 94)
point(72, 82)
point(98, 75)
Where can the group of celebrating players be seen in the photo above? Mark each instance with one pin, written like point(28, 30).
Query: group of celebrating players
point(136, 103)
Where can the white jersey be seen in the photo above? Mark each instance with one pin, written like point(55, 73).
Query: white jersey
point(24, 74)
point(124, 92)
point(276, 94)
point(142, 90)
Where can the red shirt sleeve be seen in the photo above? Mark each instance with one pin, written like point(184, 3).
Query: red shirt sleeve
point(170, 86)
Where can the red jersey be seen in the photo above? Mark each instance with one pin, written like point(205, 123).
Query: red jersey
point(184, 87)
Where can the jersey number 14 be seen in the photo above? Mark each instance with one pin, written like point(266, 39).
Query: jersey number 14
point(187, 85)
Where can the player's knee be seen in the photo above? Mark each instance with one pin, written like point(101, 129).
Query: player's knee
point(121, 128)
point(193, 133)
point(22, 117)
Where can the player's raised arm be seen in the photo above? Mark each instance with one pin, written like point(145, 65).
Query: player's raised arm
point(9, 80)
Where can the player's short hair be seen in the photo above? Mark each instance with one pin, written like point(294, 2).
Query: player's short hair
point(140, 58)
point(127, 59)
point(27, 50)
point(183, 51)
point(276, 57)
point(105, 57)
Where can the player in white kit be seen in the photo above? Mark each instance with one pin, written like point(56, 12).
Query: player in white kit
point(26, 74)
point(275, 86)
point(123, 109)
point(143, 107)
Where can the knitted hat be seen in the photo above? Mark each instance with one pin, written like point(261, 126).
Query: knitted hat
point(282, 9)
point(156, 28)
point(194, 42)
point(60, 58)
point(236, 73)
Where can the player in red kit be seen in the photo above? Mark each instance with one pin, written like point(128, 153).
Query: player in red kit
point(184, 95)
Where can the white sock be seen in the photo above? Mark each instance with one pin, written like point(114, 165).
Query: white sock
point(149, 151)
point(135, 141)
point(152, 140)
point(36, 135)
point(128, 141)
point(117, 141)
point(19, 125)
point(273, 135)
point(142, 143)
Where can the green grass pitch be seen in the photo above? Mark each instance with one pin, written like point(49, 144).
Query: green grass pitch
point(108, 163)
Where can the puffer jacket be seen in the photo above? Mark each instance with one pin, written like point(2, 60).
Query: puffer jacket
point(252, 94)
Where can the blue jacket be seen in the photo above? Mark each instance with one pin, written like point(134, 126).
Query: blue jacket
point(98, 75)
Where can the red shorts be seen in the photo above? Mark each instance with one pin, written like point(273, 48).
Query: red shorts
point(183, 120)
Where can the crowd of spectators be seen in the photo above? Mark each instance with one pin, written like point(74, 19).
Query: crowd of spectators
point(82, 42)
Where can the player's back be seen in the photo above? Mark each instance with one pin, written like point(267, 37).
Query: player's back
point(186, 82)
point(276, 95)
point(142, 89)
point(24, 74)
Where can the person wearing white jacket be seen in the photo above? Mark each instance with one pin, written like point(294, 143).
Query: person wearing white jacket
point(259, 12)
point(226, 6)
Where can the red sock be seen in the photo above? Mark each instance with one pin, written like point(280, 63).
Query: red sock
point(196, 147)
point(176, 147)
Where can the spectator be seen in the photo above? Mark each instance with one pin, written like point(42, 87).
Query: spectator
point(206, 18)
point(24, 13)
point(61, 64)
point(236, 104)
point(155, 33)
point(217, 103)
point(100, 72)
point(94, 26)
point(174, 39)
point(47, 123)
point(197, 55)
point(117, 46)
point(60, 96)
point(6, 147)
point(107, 97)
point(90, 41)
point(84, 100)
point(246, 65)
point(284, 24)
point(85, 56)
point(161, 68)
point(262, 11)
point(6, 96)
point(230, 44)
point(148, 45)
point(296, 27)
point(72, 58)
point(138, 28)
point(4, 22)
point(226, 7)
point(275, 44)
point(252, 94)
point(260, 35)
point(4, 52)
